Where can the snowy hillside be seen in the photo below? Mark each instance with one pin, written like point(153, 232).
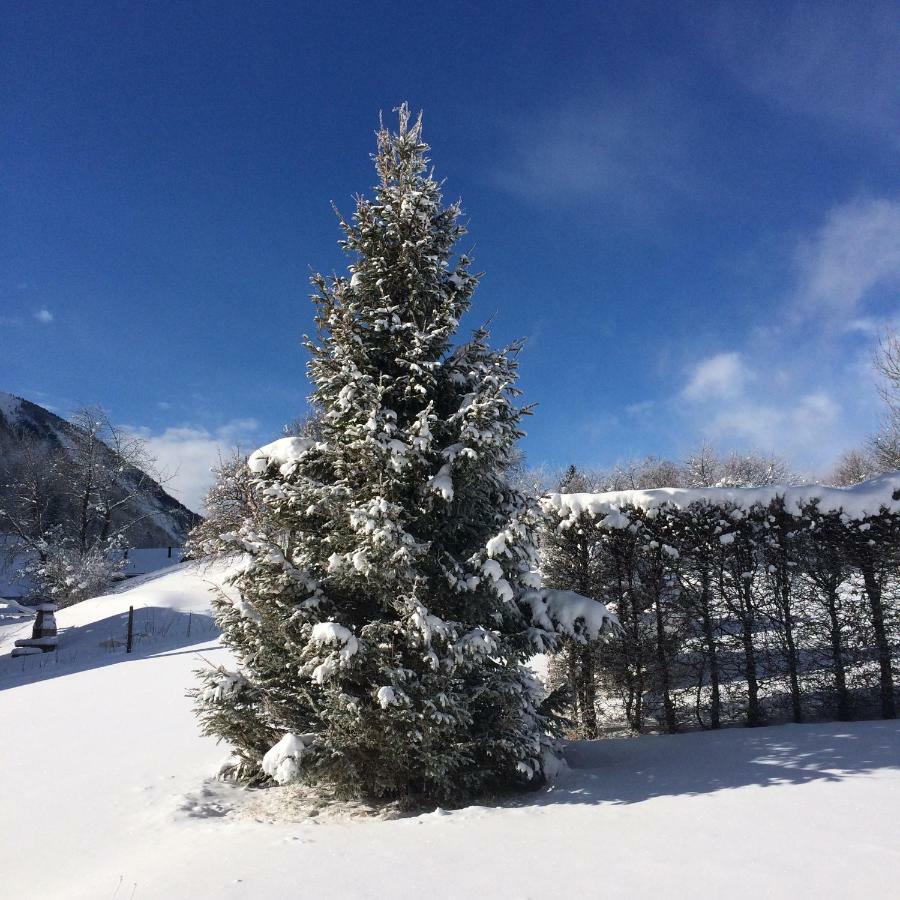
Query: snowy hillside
point(92, 633)
point(103, 761)
point(160, 520)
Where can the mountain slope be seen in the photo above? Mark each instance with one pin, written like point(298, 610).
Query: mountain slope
point(163, 521)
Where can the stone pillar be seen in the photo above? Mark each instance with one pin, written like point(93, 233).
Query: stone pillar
point(43, 635)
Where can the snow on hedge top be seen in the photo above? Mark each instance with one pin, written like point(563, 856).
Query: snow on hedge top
point(282, 453)
point(868, 498)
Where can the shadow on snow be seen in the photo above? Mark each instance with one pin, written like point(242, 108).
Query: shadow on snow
point(632, 770)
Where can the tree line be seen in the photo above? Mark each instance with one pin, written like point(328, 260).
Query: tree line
point(732, 608)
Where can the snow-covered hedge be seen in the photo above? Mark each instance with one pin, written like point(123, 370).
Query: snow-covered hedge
point(739, 604)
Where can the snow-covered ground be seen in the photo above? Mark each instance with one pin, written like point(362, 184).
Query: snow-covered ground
point(107, 793)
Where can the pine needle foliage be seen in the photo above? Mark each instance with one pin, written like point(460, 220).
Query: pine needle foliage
point(388, 599)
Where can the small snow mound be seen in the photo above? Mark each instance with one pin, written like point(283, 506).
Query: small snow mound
point(424, 818)
point(553, 765)
point(387, 697)
point(282, 762)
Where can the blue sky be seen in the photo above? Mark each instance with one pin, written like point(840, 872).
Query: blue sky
point(691, 211)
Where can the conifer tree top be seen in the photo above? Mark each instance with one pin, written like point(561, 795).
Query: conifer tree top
point(404, 295)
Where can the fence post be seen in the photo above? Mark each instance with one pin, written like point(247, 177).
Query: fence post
point(130, 629)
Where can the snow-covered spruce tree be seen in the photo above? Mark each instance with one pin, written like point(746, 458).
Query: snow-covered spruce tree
point(389, 598)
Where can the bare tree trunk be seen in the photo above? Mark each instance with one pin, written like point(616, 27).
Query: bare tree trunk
point(753, 714)
point(107, 523)
point(873, 591)
point(837, 657)
point(663, 664)
point(629, 703)
point(787, 623)
point(698, 700)
point(588, 693)
point(712, 656)
point(742, 607)
point(84, 518)
point(638, 722)
point(748, 620)
point(572, 673)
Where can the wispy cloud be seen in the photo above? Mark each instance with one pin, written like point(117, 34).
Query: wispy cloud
point(640, 409)
point(626, 149)
point(834, 61)
point(803, 428)
point(185, 454)
point(44, 316)
point(854, 252)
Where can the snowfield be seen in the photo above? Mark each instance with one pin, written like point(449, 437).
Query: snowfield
point(108, 793)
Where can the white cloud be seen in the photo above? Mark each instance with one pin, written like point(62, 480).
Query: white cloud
point(855, 251)
point(807, 430)
point(718, 377)
point(44, 316)
point(746, 424)
point(770, 425)
point(187, 453)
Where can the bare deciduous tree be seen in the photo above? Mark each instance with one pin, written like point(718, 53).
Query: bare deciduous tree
point(69, 504)
point(706, 467)
point(852, 468)
point(885, 444)
point(229, 503)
